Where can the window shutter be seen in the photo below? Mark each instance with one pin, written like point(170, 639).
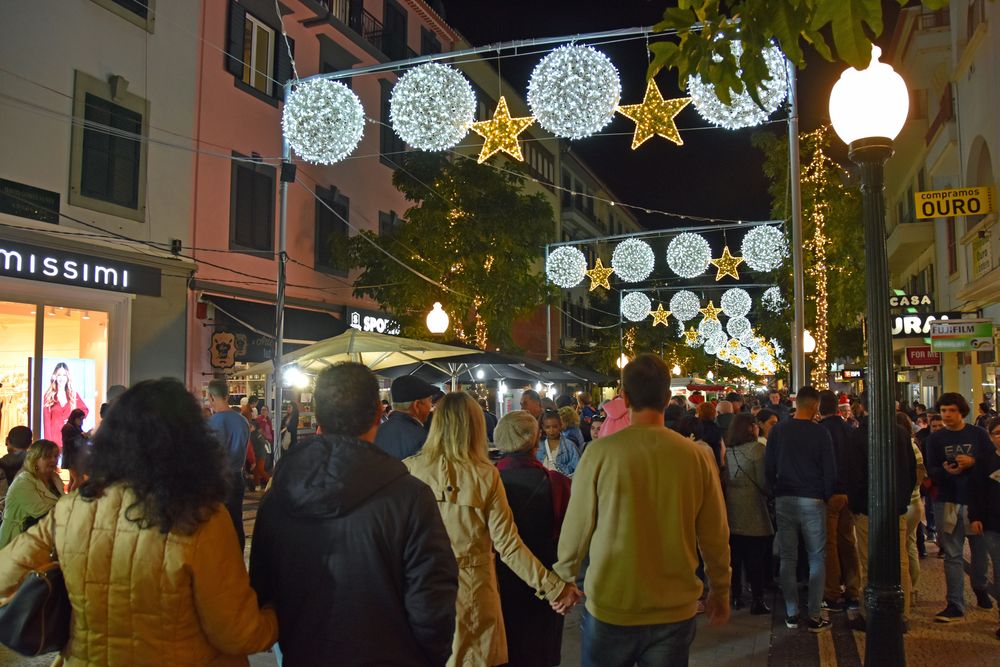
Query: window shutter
point(234, 45)
point(282, 64)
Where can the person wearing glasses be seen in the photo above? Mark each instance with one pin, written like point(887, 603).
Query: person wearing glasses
point(984, 503)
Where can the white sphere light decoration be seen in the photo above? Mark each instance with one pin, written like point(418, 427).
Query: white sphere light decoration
point(574, 91)
point(633, 260)
point(773, 300)
point(432, 107)
point(737, 326)
point(764, 248)
point(566, 266)
point(747, 339)
point(736, 302)
point(719, 338)
point(684, 305)
point(323, 121)
point(636, 306)
point(688, 255)
point(711, 346)
point(742, 111)
point(709, 327)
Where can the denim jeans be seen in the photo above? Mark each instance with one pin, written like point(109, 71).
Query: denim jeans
point(809, 516)
point(992, 540)
point(665, 645)
point(954, 567)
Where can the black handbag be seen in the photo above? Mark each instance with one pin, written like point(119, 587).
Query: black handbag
point(36, 618)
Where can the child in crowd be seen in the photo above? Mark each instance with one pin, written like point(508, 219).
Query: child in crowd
point(571, 427)
point(557, 452)
point(595, 429)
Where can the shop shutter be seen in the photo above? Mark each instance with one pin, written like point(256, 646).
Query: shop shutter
point(234, 44)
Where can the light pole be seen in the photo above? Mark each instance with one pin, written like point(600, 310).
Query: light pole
point(868, 109)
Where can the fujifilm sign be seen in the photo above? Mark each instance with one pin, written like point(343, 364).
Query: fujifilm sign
point(20, 260)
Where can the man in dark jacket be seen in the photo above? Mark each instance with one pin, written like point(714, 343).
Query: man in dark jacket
point(857, 493)
point(349, 547)
point(841, 546)
point(403, 433)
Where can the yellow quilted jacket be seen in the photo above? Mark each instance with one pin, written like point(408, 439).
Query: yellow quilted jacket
point(141, 597)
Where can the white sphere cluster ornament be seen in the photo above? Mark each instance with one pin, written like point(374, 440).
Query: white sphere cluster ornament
point(688, 255)
point(566, 266)
point(709, 327)
point(636, 306)
point(736, 302)
point(737, 326)
point(711, 347)
point(323, 121)
point(633, 260)
point(764, 248)
point(432, 107)
point(773, 300)
point(742, 110)
point(684, 305)
point(574, 91)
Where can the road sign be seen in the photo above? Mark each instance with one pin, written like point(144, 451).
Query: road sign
point(956, 201)
point(961, 335)
point(921, 355)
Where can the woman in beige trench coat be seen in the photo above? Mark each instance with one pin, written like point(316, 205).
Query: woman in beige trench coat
point(473, 504)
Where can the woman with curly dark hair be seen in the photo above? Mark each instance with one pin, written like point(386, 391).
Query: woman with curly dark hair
point(146, 546)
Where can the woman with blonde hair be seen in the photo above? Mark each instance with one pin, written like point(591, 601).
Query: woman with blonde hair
point(474, 507)
point(33, 493)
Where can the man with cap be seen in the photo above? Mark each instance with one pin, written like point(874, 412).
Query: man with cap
point(403, 434)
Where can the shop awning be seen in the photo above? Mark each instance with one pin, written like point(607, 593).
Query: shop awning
point(302, 327)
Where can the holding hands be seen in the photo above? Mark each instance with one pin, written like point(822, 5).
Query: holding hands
point(569, 597)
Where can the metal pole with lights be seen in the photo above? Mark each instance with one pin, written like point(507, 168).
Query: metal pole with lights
point(868, 109)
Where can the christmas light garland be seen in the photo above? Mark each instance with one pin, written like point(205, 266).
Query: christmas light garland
point(742, 111)
point(633, 260)
point(432, 107)
point(736, 302)
point(684, 305)
point(764, 248)
point(566, 267)
point(636, 306)
point(574, 91)
point(323, 121)
point(688, 255)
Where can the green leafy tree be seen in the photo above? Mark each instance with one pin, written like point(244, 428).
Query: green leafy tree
point(706, 27)
point(471, 230)
point(830, 199)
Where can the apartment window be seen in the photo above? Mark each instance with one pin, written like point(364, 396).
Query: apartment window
point(388, 223)
point(332, 210)
point(394, 30)
point(391, 147)
point(429, 43)
point(952, 246)
point(911, 205)
point(108, 163)
point(256, 53)
point(251, 215)
point(140, 12)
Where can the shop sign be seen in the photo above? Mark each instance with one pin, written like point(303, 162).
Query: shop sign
point(931, 378)
point(952, 202)
point(962, 336)
point(982, 256)
point(851, 374)
point(21, 260)
point(372, 321)
point(918, 325)
point(223, 349)
point(910, 300)
point(26, 201)
point(922, 355)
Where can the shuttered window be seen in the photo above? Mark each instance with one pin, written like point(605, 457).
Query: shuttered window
point(251, 223)
point(111, 156)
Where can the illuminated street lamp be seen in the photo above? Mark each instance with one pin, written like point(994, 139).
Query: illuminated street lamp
point(868, 109)
point(437, 320)
point(710, 375)
point(676, 370)
point(622, 361)
point(808, 342)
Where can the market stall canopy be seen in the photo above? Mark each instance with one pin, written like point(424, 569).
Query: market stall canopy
point(376, 351)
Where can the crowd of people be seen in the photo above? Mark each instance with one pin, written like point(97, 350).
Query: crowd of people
point(424, 530)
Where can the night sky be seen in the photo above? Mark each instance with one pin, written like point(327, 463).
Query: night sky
point(716, 173)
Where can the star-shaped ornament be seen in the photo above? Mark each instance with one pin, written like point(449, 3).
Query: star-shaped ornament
point(691, 335)
point(710, 311)
point(726, 265)
point(660, 315)
point(654, 116)
point(599, 275)
point(501, 132)
point(734, 344)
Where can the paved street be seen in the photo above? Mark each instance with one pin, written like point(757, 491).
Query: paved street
point(762, 641)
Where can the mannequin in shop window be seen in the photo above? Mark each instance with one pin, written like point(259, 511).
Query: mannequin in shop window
point(59, 401)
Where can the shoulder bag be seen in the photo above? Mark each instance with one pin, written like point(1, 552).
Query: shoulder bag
point(36, 618)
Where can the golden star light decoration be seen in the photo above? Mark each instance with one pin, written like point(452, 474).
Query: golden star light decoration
point(660, 315)
point(710, 312)
point(726, 265)
point(691, 336)
point(501, 132)
point(599, 275)
point(654, 116)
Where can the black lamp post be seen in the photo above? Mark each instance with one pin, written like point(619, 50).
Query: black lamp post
point(868, 109)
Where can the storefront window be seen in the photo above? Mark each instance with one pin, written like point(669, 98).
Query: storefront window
point(17, 346)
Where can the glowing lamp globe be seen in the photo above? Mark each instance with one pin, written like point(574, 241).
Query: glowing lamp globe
point(676, 370)
point(622, 361)
point(808, 342)
point(437, 320)
point(869, 103)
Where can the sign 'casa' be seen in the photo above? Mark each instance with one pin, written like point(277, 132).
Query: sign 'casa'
point(910, 300)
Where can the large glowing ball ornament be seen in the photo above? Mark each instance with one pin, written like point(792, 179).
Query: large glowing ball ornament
point(684, 305)
point(566, 267)
point(432, 107)
point(323, 121)
point(742, 111)
point(764, 248)
point(688, 255)
point(636, 306)
point(633, 260)
point(574, 91)
point(773, 300)
point(736, 302)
